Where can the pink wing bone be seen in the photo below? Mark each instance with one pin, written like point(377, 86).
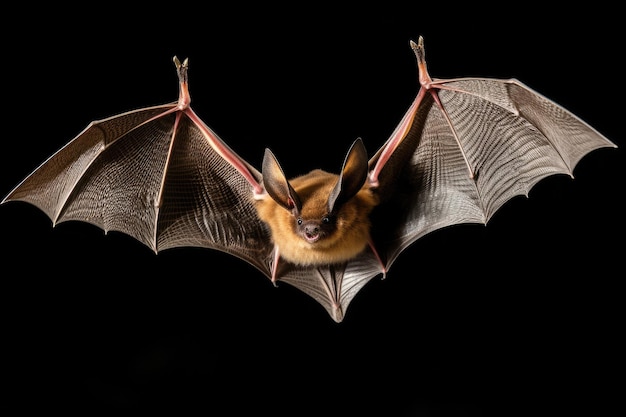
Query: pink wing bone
point(184, 100)
point(427, 85)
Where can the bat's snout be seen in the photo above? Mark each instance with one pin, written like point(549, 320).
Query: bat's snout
point(312, 232)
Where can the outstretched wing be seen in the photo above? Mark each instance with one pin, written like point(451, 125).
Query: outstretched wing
point(464, 148)
point(158, 174)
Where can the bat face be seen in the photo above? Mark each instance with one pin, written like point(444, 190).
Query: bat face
point(319, 218)
point(314, 223)
point(313, 235)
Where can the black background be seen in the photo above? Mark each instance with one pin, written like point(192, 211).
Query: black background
point(521, 317)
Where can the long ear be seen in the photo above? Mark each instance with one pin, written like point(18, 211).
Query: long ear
point(277, 185)
point(352, 177)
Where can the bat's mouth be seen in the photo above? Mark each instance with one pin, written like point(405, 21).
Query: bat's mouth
point(311, 237)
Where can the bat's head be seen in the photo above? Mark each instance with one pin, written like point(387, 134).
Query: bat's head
point(319, 217)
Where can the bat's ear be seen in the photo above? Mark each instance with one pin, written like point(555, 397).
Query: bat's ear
point(277, 185)
point(352, 177)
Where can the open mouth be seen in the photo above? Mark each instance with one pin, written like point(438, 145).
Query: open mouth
point(311, 237)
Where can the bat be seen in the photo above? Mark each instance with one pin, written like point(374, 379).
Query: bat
point(464, 147)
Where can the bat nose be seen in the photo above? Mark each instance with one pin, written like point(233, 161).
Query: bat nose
point(312, 229)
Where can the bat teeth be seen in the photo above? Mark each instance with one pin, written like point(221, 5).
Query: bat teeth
point(312, 237)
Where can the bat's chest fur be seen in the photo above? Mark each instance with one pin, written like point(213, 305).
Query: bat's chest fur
point(342, 235)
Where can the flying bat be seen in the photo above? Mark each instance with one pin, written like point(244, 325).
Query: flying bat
point(464, 147)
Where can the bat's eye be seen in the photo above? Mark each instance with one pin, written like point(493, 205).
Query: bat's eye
point(299, 221)
point(326, 219)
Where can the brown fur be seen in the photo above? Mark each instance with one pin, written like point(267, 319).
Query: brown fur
point(353, 223)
